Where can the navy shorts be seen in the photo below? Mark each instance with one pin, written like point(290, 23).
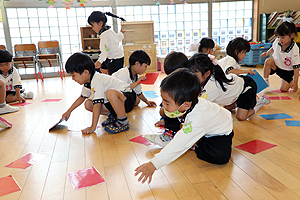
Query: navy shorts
point(284, 74)
point(247, 99)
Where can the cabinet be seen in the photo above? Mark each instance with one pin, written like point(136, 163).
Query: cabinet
point(90, 42)
point(139, 35)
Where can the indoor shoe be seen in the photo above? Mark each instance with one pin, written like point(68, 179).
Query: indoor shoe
point(158, 139)
point(27, 95)
point(8, 109)
point(4, 123)
point(108, 121)
point(116, 127)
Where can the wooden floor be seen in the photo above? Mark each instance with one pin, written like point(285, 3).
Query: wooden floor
point(271, 174)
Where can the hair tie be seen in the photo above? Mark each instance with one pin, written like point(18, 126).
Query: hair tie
point(212, 58)
point(286, 19)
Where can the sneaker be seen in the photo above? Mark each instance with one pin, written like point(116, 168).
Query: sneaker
point(159, 139)
point(116, 127)
point(27, 95)
point(108, 121)
point(8, 109)
point(4, 123)
point(264, 100)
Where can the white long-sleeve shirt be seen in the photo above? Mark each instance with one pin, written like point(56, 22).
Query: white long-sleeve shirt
point(206, 119)
point(109, 45)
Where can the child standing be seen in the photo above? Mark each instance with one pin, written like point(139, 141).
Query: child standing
point(227, 90)
point(10, 84)
point(138, 62)
point(285, 62)
point(205, 124)
point(111, 58)
point(236, 51)
point(106, 94)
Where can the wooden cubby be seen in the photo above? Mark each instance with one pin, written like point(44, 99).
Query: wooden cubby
point(86, 40)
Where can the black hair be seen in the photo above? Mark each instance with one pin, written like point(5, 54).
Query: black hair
point(182, 85)
point(200, 62)
point(78, 62)
point(5, 56)
point(236, 46)
point(206, 43)
point(174, 60)
point(141, 56)
point(286, 28)
point(97, 16)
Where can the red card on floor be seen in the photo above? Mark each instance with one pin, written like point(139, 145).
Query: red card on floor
point(280, 98)
point(140, 139)
point(278, 91)
point(19, 104)
point(151, 78)
point(85, 178)
point(51, 100)
point(8, 185)
point(26, 161)
point(53, 126)
point(255, 146)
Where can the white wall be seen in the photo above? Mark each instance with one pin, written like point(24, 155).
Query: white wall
point(268, 6)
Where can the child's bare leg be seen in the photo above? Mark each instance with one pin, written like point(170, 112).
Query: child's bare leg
point(230, 107)
point(243, 114)
point(269, 64)
point(2, 92)
point(88, 104)
point(116, 99)
point(11, 98)
point(137, 101)
point(285, 86)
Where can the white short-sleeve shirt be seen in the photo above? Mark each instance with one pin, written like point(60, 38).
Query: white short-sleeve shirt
point(12, 80)
point(288, 59)
point(213, 92)
point(125, 74)
point(228, 63)
point(100, 83)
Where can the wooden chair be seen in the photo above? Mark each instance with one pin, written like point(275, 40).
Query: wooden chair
point(25, 57)
point(2, 47)
point(49, 56)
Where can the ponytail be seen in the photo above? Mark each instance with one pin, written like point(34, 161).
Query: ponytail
point(115, 16)
point(200, 62)
point(98, 16)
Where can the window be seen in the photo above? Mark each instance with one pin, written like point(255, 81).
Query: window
point(2, 37)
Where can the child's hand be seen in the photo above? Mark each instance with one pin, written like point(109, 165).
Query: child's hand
point(66, 115)
point(141, 78)
point(123, 31)
point(88, 130)
point(251, 72)
point(151, 104)
point(97, 65)
point(160, 123)
point(264, 54)
point(294, 86)
point(21, 100)
point(147, 171)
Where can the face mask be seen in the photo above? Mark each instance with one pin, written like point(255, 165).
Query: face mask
point(175, 114)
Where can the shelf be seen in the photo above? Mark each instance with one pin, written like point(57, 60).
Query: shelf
point(91, 38)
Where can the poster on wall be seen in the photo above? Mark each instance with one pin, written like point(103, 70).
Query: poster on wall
point(0, 17)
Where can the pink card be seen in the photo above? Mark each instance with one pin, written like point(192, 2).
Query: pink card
point(140, 139)
point(51, 100)
point(278, 91)
point(53, 126)
point(8, 185)
point(150, 78)
point(255, 146)
point(280, 98)
point(85, 178)
point(19, 104)
point(27, 160)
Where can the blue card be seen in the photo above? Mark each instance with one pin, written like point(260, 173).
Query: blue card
point(292, 123)
point(149, 92)
point(276, 116)
point(260, 82)
point(151, 95)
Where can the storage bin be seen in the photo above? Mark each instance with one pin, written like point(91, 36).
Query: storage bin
point(253, 56)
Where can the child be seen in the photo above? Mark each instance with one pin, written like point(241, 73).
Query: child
point(106, 94)
point(111, 58)
point(230, 90)
point(10, 84)
point(138, 62)
point(173, 61)
point(205, 124)
point(236, 51)
point(206, 45)
point(285, 60)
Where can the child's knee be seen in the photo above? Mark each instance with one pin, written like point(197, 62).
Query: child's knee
point(241, 117)
point(269, 62)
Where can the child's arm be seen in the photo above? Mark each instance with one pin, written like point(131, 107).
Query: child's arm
point(264, 54)
point(295, 80)
point(149, 103)
point(147, 171)
point(241, 71)
point(96, 115)
point(20, 98)
point(77, 103)
point(135, 84)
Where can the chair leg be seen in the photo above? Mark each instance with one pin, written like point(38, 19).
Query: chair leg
point(60, 75)
point(64, 72)
point(37, 78)
point(42, 76)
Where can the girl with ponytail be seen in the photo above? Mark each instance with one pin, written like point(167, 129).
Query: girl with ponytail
point(228, 90)
point(111, 58)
